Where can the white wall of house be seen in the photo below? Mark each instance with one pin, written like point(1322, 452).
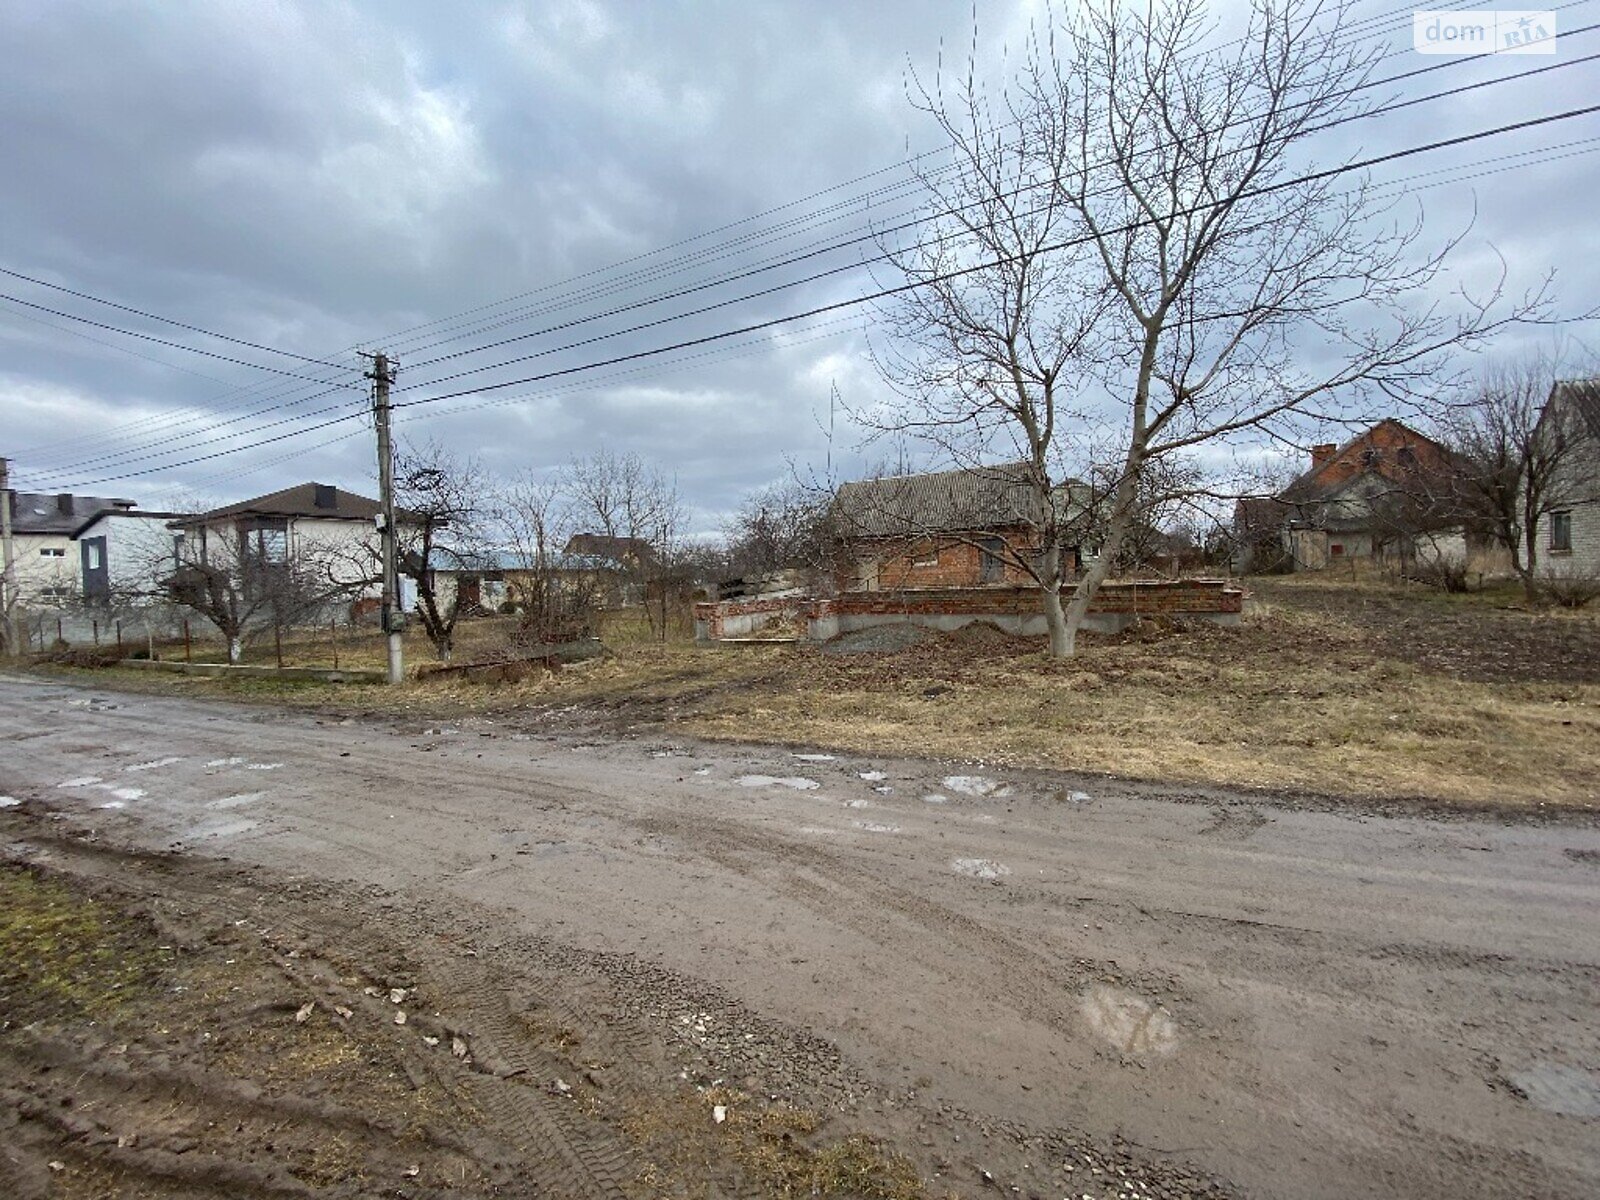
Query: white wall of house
point(45, 567)
point(139, 549)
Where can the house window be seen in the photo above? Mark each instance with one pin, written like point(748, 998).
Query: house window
point(1337, 550)
point(94, 555)
point(52, 552)
point(926, 558)
point(177, 550)
point(1561, 533)
point(55, 593)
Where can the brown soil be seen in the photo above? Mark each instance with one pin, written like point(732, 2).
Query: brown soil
point(176, 1027)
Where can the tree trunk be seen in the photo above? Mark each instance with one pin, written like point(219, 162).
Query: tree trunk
point(235, 649)
point(1055, 619)
point(1122, 510)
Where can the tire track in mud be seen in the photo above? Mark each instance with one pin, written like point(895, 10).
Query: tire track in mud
point(558, 1152)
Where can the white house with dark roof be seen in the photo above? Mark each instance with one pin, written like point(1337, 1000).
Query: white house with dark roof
point(310, 522)
point(1569, 537)
point(48, 563)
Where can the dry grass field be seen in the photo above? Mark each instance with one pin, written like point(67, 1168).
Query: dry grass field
point(1356, 688)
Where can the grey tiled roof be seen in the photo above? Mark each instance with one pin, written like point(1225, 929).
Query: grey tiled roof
point(1584, 396)
point(65, 514)
point(976, 498)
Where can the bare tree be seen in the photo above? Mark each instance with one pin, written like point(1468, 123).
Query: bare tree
point(780, 526)
point(1150, 237)
point(1517, 464)
point(444, 505)
point(637, 510)
point(533, 522)
point(247, 581)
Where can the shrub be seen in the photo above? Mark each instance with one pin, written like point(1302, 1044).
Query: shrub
point(1568, 591)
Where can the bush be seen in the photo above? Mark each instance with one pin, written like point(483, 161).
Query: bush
point(1568, 591)
point(1446, 574)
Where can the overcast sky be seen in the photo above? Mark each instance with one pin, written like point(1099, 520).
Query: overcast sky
point(319, 176)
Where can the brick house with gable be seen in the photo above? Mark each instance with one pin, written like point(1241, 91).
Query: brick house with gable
point(962, 528)
point(1387, 493)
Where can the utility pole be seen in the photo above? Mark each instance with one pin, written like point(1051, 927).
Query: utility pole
point(8, 597)
point(382, 374)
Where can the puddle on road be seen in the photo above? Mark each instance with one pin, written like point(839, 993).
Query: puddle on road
point(980, 868)
point(799, 783)
point(262, 766)
point(858, 803)
point(1566, 1091)
point(235, 801)
point(82, 782)
point(977, 785)
point(936, 798)
point(1130, 1023)
point(112, 804)
point(813, 757)
point(817, 830)
point(225, 762)
point(876, 827)
point(222, 829)
point(9, 802)
point(871, 776)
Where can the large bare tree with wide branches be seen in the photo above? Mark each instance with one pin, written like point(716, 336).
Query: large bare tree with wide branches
point(1135, 255)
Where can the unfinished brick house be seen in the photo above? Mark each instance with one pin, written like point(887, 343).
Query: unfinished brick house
point(963, 528)
point(1387, 493)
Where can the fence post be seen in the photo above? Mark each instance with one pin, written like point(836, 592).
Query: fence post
point(119, 639)
point(96, 624)
point(277, 640)
point(186, 639)
point(59, 638)
point(333, 632)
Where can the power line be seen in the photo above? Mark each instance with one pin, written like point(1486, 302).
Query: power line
point(139, 312)
point(152, 338)
point(885, 293)
point(790, 284)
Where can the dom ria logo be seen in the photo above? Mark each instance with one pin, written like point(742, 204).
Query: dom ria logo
point(1513, 31)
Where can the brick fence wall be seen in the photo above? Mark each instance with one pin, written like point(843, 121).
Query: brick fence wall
point(1014, 609)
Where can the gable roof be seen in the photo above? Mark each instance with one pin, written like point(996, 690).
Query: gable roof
point(1343, 468)
point(170, 518)
point(607, 549)
point(57, 513)
point(944, 501)
point(299, 501)
point(1583, 395)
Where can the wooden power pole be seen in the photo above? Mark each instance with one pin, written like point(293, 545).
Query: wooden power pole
point(8, 593)
point(393, 615)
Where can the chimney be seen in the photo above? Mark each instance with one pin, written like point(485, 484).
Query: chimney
point(327, 496)
point(1323, 453)
point(64, 504)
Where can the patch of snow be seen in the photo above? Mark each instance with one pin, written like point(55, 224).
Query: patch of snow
point(798, 783)
point(871, 776)
point(702, 770)
point(858, 803)
point(980, 868)
point(262, 766)
point(225, 762)
point(883, 789)
point(235, 801)
point(122, 793)
point(875, 827)
point(112, 804)
point(84, 781)
point(936, 798)
point(9, 802)
point(977, 785)
point(155, 764)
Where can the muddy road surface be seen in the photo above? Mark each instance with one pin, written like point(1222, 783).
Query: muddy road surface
point(1019, 983)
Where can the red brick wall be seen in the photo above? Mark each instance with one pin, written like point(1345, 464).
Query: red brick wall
point(1387, 438)
point(1171, 596)
point(902, 563)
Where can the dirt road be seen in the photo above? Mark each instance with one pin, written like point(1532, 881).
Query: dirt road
point(1289, 1000)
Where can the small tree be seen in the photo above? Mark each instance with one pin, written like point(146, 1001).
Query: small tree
point(637, 509)
point(1518, 467)
point(533, 522)
point(782, 526)
point(442, 506)
point(247, 581)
